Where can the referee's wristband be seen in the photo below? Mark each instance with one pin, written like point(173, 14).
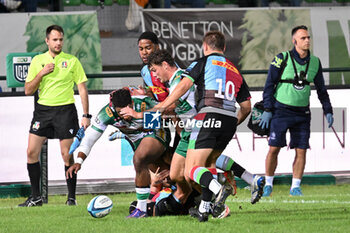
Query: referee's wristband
point(79, 160)
point(87, 115)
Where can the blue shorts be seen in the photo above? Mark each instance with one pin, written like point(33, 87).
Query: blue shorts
point(298, 125)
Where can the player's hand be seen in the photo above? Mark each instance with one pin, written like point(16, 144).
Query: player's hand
point(74, 168)
point(85, 122)
point(159, 179)
point(129, 112)
point(48, 68)
point(137, 91)
point(330, 119)
point(265, 120)
point(159, 107)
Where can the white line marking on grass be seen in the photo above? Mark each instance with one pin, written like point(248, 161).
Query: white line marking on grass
point(292, 201)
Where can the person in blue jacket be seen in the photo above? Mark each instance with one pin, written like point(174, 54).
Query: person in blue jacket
point(286, 101)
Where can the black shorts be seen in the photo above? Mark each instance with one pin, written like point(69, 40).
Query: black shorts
point(216, 131)
point(55, 121)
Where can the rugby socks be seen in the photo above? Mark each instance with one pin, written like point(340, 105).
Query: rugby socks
point(203, 176)
point(214, 172)
point(34, 176)
point(142, 194)
point(269, 181)
point(71, 183)
point(295, 183)
point(204, 206)
point(225, 163)
point(247, 177)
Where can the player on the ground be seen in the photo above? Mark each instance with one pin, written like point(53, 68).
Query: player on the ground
point(149, 146)
point(219, 86)
point(164, 68)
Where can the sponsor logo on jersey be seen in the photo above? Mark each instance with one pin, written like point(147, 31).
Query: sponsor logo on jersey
point(21, 67)
point(143, 106)
point(109, 112)
point(177, 76)
point(157, 90)
point(225, 65)
point(277, 62)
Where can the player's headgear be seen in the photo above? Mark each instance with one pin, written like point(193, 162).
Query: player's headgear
point(149, 36)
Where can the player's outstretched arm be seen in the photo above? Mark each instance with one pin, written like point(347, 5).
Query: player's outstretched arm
point(184, 85)
point(76, 166)
point(127, 111)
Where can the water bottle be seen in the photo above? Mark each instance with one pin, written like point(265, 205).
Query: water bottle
point(77, 140)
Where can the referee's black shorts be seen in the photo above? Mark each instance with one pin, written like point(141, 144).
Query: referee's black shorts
point(55, 121)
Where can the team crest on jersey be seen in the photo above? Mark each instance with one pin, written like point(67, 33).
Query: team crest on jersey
point(36, 126)
point(20, 67)
point(64, 64)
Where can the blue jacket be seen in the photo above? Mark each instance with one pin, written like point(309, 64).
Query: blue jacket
point(273, 78)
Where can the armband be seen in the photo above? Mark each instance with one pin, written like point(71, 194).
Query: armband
point(79, 160)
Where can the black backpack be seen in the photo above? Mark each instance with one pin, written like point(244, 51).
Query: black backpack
point(254, 120)
point(258, 109)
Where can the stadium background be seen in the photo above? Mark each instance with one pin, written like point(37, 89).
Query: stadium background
point(115, 53)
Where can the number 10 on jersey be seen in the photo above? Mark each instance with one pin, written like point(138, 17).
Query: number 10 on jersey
point(227, 95)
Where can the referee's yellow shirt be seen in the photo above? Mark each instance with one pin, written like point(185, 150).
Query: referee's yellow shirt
point(56, 88)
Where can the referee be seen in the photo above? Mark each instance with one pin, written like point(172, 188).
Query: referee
point(53, 74)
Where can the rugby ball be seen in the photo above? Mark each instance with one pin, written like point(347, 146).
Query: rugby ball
point(100, 206)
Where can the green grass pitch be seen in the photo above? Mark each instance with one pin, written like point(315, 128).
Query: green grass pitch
point(323, 208)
